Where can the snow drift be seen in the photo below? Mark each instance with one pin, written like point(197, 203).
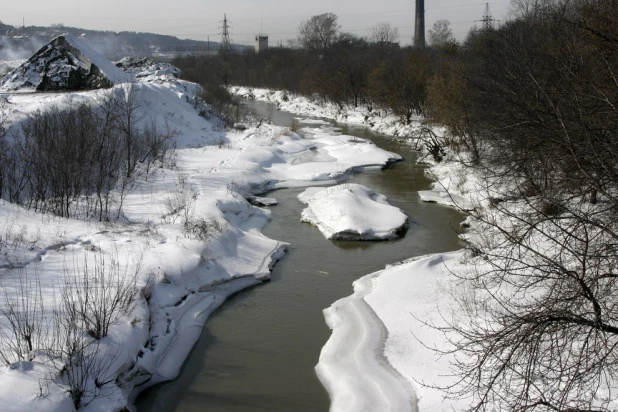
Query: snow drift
point(352, 212)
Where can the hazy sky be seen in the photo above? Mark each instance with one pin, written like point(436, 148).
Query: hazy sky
point(200, 19)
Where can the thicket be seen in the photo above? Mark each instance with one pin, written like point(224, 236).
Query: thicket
point(346, 70)
point(78, 159)
point(212, 73)
point(534, 103)
point(66, 328)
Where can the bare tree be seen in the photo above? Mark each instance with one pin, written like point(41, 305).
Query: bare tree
point(319, 32)
point(383, 33)
point(84, 364)
point(441, 34)
point(540, 329)
point(129, 106)
point(4, 146)
point(23, 327)
point(101, 293)
point(449, 105)
point(401, 85)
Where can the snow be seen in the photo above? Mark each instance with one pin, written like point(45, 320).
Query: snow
point(439, 194)
point(351, 366)
point(407, 298)
point(378, 120)
point(181, 279)
point(58, 62)
point(352, 212)
point(21, 382)
point(113, 73)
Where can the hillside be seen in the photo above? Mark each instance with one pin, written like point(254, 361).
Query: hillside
point(21, 42)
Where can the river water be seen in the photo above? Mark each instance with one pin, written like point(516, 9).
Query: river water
point(258, 351)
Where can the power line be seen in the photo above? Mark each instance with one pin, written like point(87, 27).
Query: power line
point(488, 20)
point(226, 44)
point(247, 30)
point(296, 32)
point(258, 18)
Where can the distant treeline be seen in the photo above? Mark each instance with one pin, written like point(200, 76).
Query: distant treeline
point(348, 74)
point(342, 68)
point(113, 45)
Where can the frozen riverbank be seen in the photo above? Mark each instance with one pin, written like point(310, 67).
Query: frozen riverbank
point(377, 120)
point(351, 364)
point(237, 365)
point(392, 309)
point(183, 272)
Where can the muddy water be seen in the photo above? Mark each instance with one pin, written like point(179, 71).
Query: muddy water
point(258, 351)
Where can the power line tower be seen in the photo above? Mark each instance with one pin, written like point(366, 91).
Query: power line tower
point(488, 20)
point(226, 44)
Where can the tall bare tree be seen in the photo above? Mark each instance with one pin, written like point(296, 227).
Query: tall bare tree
point(441, 34)
point(319, 32)
point(383, 33)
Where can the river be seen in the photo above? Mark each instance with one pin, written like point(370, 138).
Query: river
point(258, 351)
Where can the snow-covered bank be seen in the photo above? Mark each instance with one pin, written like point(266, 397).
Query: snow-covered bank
point(187, 233)
point(389, 309)
point(352, 212)
point(389, 314)
point(351, 365)
point(377, 120)
point(400, 302)
point(408, 297)
point(422, 302)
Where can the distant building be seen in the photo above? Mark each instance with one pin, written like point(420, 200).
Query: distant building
point(261, 43)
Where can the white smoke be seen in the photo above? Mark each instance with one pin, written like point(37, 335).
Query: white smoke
point(13, 52)
point(19, 49)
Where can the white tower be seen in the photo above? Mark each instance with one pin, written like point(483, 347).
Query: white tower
point(261, 43)
point(261, 40)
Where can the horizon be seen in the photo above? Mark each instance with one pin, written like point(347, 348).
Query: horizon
point(248, 20)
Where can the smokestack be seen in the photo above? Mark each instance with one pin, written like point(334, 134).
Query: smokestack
point(419, 25)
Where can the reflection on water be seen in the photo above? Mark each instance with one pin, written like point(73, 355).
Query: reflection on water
point(258, 351)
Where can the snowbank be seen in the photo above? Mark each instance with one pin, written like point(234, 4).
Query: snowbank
point(352, 212)
point(439, 194)
point(379, 120)
point(407, 298)
point(352, 366)
point(181, 277)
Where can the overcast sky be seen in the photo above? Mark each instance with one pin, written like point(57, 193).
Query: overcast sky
point(201, 19)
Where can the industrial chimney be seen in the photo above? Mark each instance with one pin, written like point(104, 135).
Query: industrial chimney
point(419, 25)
